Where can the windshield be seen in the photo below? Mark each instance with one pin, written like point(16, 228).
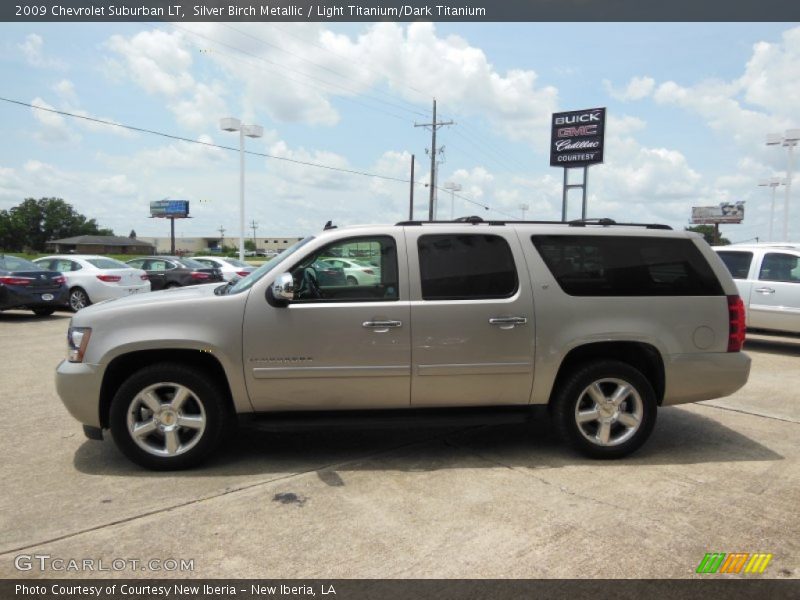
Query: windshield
point(13, 263)
point(107, 263)
point(193, 264)
point(236, 262)
point(245, 283)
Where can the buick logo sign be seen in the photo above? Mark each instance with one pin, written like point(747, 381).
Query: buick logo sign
point(577, 138)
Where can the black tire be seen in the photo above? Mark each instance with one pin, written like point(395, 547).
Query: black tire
point(43, 312)
point(78, 299)
point(205, 401)
point(618, 430)
point(352, 280)
point(171, 285)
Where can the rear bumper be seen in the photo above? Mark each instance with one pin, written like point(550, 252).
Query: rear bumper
point(704, 376)
point(112, 292)
point(78, 386)
point(13, 297)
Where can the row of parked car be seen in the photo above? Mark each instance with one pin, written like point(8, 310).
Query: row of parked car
point(75, 281)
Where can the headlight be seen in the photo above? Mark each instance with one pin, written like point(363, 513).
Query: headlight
point(77, 340)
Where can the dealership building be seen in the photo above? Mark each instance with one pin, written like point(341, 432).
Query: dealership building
point(212, 245)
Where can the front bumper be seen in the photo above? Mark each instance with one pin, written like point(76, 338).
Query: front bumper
point(78, 386)
point(704, 376)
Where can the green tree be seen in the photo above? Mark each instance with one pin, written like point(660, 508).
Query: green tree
point(707, 231)
point(32, 223)
point(249, 245)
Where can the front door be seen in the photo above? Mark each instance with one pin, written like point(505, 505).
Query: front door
point(472, 312)
point(338, 346)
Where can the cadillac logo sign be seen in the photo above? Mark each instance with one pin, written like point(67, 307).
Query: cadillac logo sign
point(577, 138)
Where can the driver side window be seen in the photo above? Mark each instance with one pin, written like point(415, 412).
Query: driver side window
point(358, 269)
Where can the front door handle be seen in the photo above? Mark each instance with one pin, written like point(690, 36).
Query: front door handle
point(765, 290)
point(507, 322)
point(381, 326)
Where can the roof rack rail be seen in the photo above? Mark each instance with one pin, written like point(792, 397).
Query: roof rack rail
point(602, 222)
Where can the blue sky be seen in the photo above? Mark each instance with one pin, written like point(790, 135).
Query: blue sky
point(689, 106)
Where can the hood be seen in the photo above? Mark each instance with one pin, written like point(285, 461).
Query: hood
point(152, 301)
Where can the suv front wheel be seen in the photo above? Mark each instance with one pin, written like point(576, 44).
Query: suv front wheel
point(605, 408)
point(168, 417)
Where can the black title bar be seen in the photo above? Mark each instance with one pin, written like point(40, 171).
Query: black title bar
point(401, 11)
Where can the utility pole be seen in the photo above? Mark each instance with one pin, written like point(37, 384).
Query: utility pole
point(411, 193)
point(254, 226)
point(434, 126)
point(221, 238)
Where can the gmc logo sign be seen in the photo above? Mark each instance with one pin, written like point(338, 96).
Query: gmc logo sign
point(564, 132)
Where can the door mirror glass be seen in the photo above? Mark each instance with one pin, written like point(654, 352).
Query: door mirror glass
point(283, 287)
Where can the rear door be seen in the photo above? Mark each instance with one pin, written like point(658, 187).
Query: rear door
point(775, 294)
point(472, 335)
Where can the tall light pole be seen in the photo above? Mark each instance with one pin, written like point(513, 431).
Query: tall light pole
point(523, 208)
point(789, 141)
point(772, 182)
point(252, 131)
point(453, 187)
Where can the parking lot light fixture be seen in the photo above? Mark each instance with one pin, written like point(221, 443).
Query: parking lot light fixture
point(772, 182)
point(788, 140)
point(251, 131)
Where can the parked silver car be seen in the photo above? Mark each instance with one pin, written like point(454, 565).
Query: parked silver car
point(229, 267)
point(768, 279)
point(92, 278)
point(601, 323)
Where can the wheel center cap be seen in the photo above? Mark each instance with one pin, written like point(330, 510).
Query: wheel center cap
point(167, 417)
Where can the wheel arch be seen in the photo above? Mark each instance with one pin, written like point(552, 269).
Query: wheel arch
point(642, 356)
point(125, 365)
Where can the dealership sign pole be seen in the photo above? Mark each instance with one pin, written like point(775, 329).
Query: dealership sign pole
point(576, 141)
point(170, 209)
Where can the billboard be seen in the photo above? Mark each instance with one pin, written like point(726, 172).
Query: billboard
point(727, 212)
point(576, 138)
point(174, 209)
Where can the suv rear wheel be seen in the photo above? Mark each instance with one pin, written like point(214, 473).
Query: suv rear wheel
point(168, 417)
point(605, 408)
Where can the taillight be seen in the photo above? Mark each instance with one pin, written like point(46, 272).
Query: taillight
point(200, 276)
point(109, 278)
point(736, 323)
point(59, 279)
point(243, 273)
point(369, 271)
point(16, 280)
point(144, 277)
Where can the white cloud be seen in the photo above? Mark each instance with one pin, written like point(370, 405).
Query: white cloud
point(637, 88)
point(114, 186)
point(176, 155)
point(54, 127)
point(772, 76)
point(160, 63)
point(33, 51)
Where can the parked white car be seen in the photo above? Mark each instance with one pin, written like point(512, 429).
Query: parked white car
point(92, 278)
point(356, 273)
point(230, 267)
point(768, 278)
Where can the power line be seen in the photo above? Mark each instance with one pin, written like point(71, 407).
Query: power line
point(202, 143)
point(232, 149)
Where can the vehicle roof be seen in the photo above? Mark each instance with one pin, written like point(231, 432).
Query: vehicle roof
point(79, 256)
point(784, 247)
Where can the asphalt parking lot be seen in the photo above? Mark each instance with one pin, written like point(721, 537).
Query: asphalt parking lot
point(481, 502)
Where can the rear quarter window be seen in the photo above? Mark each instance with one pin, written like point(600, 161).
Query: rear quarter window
point(627, 266)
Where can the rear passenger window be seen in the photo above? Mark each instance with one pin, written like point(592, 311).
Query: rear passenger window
point(466, 267)
point(738, 263)
point(627, 266)
point(779, 267)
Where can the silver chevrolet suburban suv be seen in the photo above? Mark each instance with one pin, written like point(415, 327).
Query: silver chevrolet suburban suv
point(600, 322)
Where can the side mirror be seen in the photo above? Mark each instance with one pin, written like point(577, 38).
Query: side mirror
point(283, 289)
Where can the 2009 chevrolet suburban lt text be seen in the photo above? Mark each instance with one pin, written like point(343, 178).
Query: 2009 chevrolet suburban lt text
point(602, 323)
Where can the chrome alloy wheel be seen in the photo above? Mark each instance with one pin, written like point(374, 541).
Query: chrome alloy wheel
point(78, 299)
point(609, 412)
point(166, 419)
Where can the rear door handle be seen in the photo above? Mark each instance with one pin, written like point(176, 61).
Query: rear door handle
point(381, 326)
point(507, 322)
point(765, 290)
